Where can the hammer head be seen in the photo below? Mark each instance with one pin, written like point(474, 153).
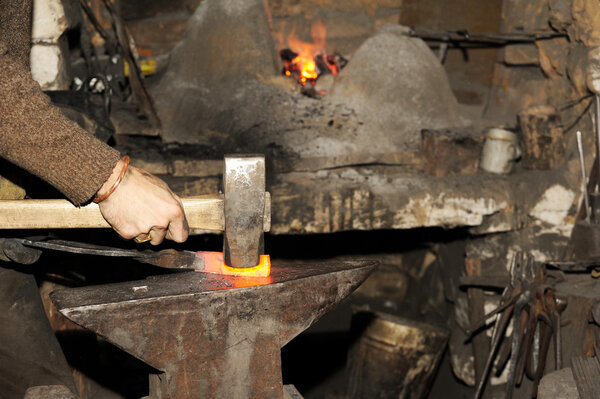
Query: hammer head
point(244, 210)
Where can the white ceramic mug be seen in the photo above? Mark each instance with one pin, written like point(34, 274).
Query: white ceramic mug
point(500, 150)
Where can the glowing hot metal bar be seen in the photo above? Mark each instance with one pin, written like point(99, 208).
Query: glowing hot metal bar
point(214, 262)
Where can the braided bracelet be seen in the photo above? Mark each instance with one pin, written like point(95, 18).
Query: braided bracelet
point(125, 160)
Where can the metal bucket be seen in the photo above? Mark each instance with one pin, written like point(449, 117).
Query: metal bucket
point(393, 357)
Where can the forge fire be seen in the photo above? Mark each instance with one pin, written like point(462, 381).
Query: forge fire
point(305, 61)
point(306, 68)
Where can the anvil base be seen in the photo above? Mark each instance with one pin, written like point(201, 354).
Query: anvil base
point(213, 336)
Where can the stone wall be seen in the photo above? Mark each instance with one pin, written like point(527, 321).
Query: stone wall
point(547, 72)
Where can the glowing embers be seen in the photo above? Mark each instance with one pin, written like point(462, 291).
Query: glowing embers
point(214, 262)
point(307, 69)
point(307, 61)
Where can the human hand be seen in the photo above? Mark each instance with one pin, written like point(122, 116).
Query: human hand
point(142, 205)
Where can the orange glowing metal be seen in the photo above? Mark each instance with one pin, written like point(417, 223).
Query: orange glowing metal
point(214, 262)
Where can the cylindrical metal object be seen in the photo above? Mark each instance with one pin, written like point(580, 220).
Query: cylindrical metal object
point(500, 150)
point(393, 357)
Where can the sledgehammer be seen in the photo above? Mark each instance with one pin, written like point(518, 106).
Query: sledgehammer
point(243, 212)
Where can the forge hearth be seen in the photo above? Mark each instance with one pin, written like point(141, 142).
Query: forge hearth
point(223, 89)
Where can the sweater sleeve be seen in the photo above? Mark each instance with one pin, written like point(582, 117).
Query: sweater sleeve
point(36, 136)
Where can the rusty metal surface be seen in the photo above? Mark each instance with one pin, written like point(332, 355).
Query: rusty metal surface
point(244, 208)
point(213, 336)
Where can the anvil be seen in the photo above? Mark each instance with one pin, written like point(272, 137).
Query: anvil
point(212, 336)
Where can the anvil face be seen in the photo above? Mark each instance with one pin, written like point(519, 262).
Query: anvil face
point(213, 336)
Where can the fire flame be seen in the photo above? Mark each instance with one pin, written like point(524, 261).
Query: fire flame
point(304, 65)
point(307, 66)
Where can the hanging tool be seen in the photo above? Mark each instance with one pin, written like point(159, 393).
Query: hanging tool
point(583, 177)
point(530, 302)
point(595, 182)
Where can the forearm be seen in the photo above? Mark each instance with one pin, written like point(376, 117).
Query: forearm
point(37, 137)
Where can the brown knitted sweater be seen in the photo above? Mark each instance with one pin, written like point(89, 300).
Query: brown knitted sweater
point(34, 134)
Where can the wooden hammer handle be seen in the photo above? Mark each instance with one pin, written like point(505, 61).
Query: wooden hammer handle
point(203, 213)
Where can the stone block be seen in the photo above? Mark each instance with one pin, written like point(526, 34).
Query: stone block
point(197, 168)
point(553, 56)
point(525, 15)
point(156, 167)
point(451, 152)
point(49, 392)
point(542, 135)
point(559, 384)
point(521, 54)
point(560, 14)
point(593, 70)
point(586, 22)
point(577, 68)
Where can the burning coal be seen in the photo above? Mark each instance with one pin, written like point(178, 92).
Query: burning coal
point(307, 61)
point(307, 69)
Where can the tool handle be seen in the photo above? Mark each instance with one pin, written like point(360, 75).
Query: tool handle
point(202, 213)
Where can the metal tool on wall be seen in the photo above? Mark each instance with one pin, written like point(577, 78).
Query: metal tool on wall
point(584, 245)
point(591, 187)
point(595, 190)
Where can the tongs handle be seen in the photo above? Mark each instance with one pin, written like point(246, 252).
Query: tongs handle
point(75, 247)
point(167, 258)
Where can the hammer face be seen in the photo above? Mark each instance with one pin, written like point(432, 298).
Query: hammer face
point(244, 206)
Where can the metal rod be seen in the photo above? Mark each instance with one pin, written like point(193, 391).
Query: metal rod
point(492, 38)
point(583, 177)
point(598, 138)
